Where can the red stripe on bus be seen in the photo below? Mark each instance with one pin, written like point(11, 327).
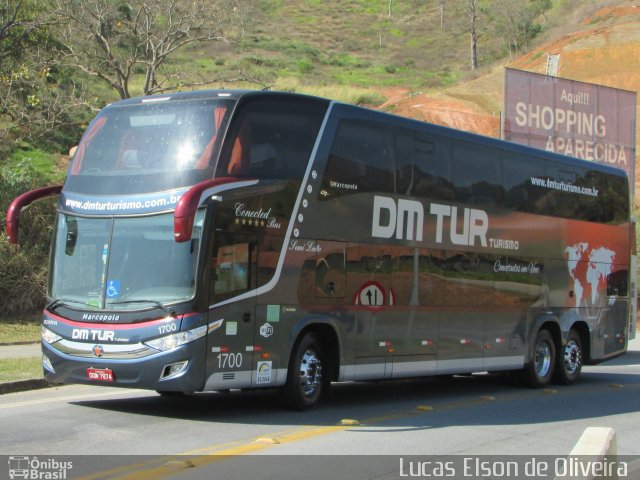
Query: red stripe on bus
point(115, 326)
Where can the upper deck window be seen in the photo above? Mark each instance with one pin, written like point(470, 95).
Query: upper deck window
point(362, 159)
point(152, 138)
point(271, 138)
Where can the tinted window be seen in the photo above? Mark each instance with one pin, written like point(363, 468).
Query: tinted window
point(271, 138)
point(476, 174)
point(361, 159)
point(584, 194)
point(520, 193)
point(432, 163)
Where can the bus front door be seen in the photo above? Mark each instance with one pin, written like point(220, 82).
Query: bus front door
point(232, 313)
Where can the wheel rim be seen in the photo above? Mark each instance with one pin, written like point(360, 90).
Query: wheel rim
point(310, 373)
point(572, 357)
point(543, 359)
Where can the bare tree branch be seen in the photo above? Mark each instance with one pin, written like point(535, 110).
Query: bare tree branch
point(108, 40)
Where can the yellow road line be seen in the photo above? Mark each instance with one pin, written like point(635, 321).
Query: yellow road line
point(171, 464)
point(208, 455)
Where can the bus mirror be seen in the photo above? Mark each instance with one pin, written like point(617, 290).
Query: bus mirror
point(72, 236)
point(13, 213)
point(188, 204)
point(72, 151)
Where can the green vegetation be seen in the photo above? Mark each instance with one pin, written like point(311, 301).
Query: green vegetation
point(13, 369)
point(346, 50)
point(24, 266)
point(25, 328)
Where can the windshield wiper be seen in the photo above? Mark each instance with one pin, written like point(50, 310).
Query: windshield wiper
point(52, 305)
point(154, 302)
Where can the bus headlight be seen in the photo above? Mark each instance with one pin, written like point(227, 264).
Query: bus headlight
point(49, 336)
point(177, 339)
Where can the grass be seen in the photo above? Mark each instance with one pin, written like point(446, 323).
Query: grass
point(33, 163)
point(24, 329)
point(12, 369)
point(341, 93)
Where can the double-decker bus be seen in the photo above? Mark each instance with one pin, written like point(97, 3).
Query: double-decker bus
point(218, 240)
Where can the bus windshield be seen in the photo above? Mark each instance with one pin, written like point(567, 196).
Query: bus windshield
point(121, 263)
point(158, 145)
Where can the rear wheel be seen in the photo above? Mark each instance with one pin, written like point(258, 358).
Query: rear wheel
point(569, 362)
point(304, 384)
point(540, 367)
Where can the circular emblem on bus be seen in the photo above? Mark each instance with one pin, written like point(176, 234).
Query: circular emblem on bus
point(98, 350)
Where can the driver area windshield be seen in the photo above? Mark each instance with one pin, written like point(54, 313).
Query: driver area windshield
point(127, 263)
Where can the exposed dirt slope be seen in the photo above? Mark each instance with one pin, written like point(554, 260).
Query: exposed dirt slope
point(606, 51)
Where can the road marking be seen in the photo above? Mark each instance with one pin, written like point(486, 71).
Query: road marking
point(209, 455)
point(167, 465)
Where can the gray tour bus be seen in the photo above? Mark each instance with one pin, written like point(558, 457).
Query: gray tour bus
point(218, 240)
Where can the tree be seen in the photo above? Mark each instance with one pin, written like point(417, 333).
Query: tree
point(515, 22)
point(115, 41)
point(34, 103)
point(471, 12)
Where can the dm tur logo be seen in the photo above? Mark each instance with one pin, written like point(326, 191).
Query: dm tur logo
point(404, 219)
point(394, 221)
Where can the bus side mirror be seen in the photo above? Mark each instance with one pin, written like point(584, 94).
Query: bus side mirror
point(188, 204)
point(72, 151)
point(12, 222)
point(72, 236)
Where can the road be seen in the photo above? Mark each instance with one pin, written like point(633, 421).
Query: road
point(473, 415)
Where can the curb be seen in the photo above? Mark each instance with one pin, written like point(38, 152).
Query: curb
point(13, 344)
point(22, 385)
point(595, 444)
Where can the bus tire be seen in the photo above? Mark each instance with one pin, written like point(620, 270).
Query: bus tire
point(304, 385)
point(569, 361)
point(539, 370)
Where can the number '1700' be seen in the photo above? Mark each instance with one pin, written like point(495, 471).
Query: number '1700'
point(229, 360)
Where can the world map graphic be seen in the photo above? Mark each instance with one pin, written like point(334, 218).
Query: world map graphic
point(589, 268)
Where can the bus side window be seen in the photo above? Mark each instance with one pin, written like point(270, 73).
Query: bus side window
point(477, 174)
point(617, 283)
point(563, 202)
point(405, 181)
point(518, 175)
point(361, 159)
point(232, 269)
point(271, 138)
point(432, 166)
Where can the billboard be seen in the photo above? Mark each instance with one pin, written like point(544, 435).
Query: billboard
point(577, 119)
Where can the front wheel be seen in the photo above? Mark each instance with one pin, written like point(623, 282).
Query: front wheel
point(540, 367)
point(569, 362)
point(303, 387)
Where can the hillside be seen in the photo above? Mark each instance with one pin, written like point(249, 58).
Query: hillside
point(604, 49)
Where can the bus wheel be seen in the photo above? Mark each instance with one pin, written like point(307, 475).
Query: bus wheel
point(569, 362)
point(303, 388)
point(539, 370)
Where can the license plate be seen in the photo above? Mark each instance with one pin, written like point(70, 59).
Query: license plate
point(100, 374)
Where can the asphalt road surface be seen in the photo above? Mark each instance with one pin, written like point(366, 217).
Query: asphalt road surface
point(139, 434)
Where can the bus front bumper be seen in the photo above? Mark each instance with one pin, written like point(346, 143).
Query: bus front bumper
point(131, 366)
